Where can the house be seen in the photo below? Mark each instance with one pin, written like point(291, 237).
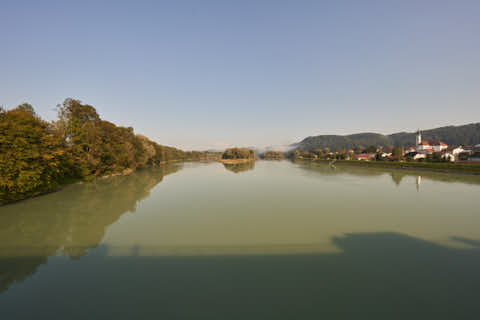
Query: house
point(426, 151)
point(419, 156)
point(416, 155)
point(455, 150)
point(410, 150)
point(365, 156)
point(438, 146)
point(424, 145)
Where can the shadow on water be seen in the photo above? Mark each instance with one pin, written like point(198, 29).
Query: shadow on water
point(240, 167)
point(375, 276)
point(71, 221)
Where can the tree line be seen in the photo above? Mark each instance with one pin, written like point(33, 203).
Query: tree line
point(37, 156)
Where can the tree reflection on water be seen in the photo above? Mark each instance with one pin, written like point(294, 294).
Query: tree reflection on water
point(71, 221)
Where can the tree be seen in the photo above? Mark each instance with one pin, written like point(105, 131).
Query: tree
point(318, 152)
point(36, 155)
point(464, 156)
point(397, 152)
point(358, 149)
point(371, 149)
point(27, 107)
point(31, 156)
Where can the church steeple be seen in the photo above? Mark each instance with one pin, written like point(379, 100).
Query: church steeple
point(419, 137)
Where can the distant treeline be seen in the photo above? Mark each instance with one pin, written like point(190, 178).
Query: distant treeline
point(452, 135)
point(272, 155)
point(37, 156)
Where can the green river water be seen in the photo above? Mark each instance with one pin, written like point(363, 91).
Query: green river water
point(269, 240)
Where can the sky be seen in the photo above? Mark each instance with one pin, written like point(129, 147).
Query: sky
point(211, 74)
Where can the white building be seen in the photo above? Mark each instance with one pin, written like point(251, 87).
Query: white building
point(429, 147)
point(419, 156)
point(456, 151)
point(438, 146)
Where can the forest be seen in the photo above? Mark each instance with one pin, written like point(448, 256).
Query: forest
point(37, 156)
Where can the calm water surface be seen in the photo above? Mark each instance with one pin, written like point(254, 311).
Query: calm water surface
point(270, 240)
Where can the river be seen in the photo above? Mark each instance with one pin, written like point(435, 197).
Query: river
point(264, 240)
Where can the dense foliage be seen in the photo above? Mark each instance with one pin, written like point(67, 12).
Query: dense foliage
point(32, 159)
point(339, 143)
point(238, 153)
point(452, 135)
point(37, 156)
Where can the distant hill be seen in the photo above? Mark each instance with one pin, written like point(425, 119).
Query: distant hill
point(452, 135)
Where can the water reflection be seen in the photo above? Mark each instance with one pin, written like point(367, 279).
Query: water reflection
point(418, 181)
point(397, 175)
point(71, 221)
point(240, 167)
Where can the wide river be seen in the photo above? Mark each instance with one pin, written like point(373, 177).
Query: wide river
point(273, 240)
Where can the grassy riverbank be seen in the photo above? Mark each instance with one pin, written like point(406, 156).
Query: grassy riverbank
point(447, 167)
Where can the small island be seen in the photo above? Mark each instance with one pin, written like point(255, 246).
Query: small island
point(238, 155)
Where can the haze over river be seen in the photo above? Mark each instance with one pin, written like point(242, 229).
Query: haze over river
point(270, 240)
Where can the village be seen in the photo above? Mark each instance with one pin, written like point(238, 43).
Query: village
point(422, 151)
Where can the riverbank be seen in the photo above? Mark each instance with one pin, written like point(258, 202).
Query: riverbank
point(61, 184)
point(445, 167)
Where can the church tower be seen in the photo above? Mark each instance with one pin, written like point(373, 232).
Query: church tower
point(419, 137)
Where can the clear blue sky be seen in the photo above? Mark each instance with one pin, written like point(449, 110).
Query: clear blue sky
point(199, 74)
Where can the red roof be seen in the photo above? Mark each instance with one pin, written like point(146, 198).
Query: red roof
point(365, 156)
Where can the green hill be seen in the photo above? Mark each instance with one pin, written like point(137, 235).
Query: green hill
point(468, 134)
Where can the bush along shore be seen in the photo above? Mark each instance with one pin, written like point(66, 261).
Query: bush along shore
point(38, 157)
